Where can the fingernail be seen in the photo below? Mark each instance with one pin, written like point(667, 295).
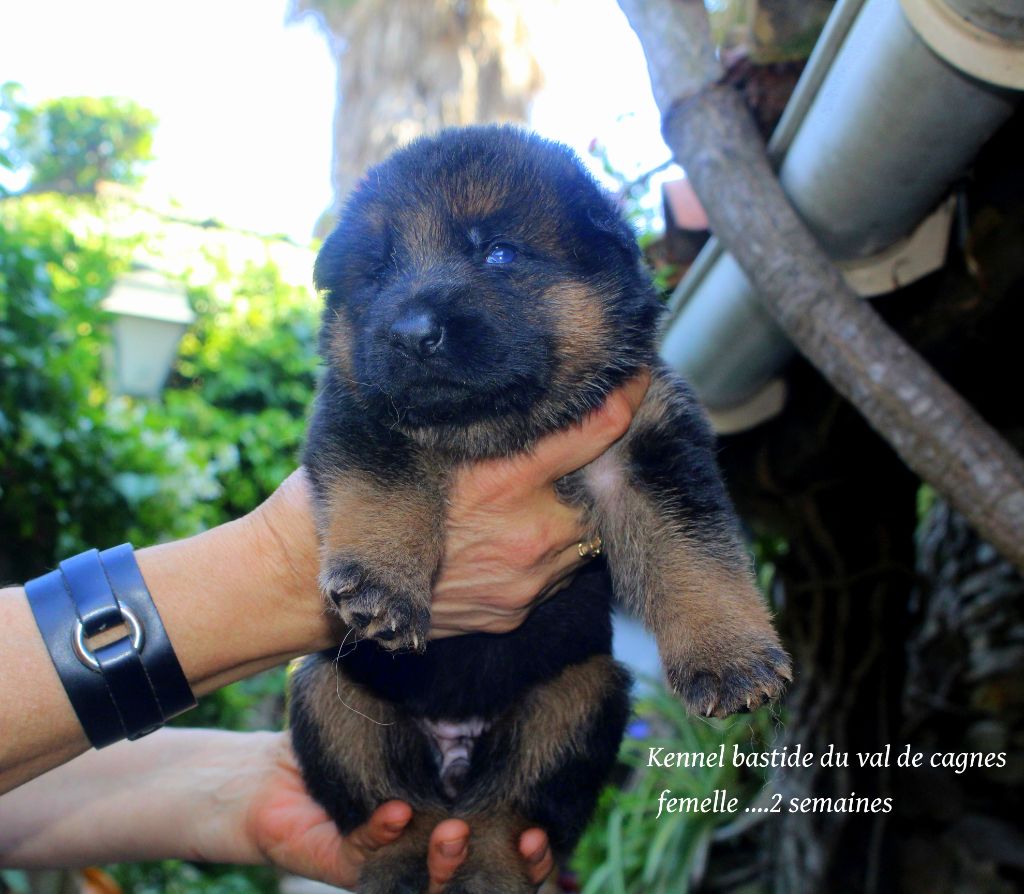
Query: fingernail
point(537, 856)
point(453, 848)
point(394, 827)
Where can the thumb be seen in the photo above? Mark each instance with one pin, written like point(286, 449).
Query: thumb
point(563, 452)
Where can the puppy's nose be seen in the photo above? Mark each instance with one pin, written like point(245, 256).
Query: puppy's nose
point(417, 334)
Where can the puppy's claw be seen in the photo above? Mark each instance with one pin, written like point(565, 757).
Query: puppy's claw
point(378, 610)
point(742, 684)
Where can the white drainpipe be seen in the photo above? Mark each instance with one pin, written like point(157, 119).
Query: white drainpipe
point(877, 130)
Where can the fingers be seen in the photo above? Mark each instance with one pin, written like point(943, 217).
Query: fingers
point(449, 844)
point(564, 452)
point(536, 851)
point(447, 849)
point(385, 825)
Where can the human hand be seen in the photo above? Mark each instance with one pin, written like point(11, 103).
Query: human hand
point(509, 540)
point(287, 828)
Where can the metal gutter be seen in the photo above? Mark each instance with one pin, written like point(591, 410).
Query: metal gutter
point(877, 130)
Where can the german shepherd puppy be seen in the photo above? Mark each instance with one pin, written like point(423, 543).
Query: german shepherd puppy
point(481, 291)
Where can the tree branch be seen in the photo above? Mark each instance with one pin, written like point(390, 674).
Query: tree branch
point(936, 432)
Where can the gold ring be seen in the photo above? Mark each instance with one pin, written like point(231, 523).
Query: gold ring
point(591, 548)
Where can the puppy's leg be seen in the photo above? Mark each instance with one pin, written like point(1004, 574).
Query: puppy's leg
point(381, 541)
point(676, 557)
point(542, 764)
point(356, 752)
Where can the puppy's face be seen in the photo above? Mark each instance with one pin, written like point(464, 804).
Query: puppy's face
point(478, 277)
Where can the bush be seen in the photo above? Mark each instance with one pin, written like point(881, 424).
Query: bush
point(80, 467)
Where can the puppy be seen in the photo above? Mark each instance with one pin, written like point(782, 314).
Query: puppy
point(481, 291)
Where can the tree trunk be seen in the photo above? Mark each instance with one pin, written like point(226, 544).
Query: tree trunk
point(410, 67)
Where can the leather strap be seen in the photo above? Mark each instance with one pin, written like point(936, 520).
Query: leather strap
point(126, 688)
point(91, 700)
point(90, 592)
point(173, 693)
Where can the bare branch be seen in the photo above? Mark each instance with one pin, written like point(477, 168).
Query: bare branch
point(681, 58)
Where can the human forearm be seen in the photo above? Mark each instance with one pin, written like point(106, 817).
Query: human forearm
point(232, 605)
point(177, 793)
point(243, 597)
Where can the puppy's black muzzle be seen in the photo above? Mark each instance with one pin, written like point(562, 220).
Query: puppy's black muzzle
point(417, 334)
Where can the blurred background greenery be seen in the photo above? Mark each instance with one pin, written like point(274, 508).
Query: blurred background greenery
point(81, 466)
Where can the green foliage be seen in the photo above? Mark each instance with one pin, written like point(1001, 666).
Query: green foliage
point(14, 880)
point(71, 143)
point(631, 191)
point(244, 383)
point(628, 848)
point(767, 32)
point(926, 500)
point(80, 467)
point(77, 469)
point(178, 877)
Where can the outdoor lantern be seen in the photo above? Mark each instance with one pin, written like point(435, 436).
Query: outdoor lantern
point(151, 313)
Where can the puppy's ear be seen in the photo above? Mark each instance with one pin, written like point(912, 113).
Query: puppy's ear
point(328, 267)
point(610, 224)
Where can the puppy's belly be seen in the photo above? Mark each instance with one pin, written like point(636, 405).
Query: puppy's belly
point(453, 743)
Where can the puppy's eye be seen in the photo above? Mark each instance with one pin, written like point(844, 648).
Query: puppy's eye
point(501, 254)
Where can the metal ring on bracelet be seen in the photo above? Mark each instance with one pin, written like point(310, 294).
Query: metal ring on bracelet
point(82, 651)
point(590, 549)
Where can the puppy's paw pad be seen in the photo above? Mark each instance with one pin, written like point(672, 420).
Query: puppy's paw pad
point(394, 619)
point(737, 685)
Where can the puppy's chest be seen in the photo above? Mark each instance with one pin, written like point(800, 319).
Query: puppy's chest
point(605, 478)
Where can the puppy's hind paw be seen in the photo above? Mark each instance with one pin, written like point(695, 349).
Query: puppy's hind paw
point(389, 874)
point(488, 883)
point(733, 684)
point(375, 610)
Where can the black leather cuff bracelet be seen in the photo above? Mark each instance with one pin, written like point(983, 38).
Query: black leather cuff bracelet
point(125, 688)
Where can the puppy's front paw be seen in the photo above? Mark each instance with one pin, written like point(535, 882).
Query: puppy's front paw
point(395, 616)
point(742, 678)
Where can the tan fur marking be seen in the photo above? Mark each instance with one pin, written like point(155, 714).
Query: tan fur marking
point(553, 718)
point(340, 351)
point(580, 328)
point(422, 235)
point(352, 725)
point(394, 531)
point(473, 198)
